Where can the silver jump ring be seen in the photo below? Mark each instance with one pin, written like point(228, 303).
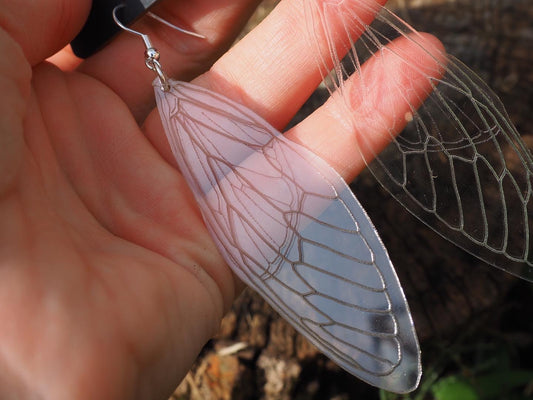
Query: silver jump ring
point(155, 66)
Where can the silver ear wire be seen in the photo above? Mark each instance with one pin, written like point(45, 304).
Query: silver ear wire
point(152, 54)
point(144, 37)
point(164, 21)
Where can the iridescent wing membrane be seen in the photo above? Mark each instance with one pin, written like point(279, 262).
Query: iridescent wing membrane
point(459, 165)
point(290, 228)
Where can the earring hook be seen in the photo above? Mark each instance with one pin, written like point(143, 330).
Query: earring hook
point(152, 54)
point(175, 27)
point(144, 37)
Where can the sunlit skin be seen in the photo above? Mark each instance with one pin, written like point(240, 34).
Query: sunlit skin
point(109, 281)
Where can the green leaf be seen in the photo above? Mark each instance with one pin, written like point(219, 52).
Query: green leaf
point(454, 388)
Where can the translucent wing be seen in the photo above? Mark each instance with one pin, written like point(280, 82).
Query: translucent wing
point(290, 228)
point(459, 165)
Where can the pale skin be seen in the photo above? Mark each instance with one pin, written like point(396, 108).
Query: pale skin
point(109, 281)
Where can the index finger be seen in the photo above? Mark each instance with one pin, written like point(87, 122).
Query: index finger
point(42, 28)
point(273, 70)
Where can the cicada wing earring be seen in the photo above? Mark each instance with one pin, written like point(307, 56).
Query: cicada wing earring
point(291, 228)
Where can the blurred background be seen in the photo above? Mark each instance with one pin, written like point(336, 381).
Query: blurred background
point(475, 323)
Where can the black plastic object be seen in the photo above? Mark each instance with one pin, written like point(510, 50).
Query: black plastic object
point(100, 27)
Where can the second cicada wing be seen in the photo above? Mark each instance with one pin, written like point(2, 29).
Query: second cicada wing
point(289, 227)
point(454, 158)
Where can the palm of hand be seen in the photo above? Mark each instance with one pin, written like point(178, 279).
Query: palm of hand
point(117, 235)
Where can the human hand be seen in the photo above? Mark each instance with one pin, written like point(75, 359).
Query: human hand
point(109, 281)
